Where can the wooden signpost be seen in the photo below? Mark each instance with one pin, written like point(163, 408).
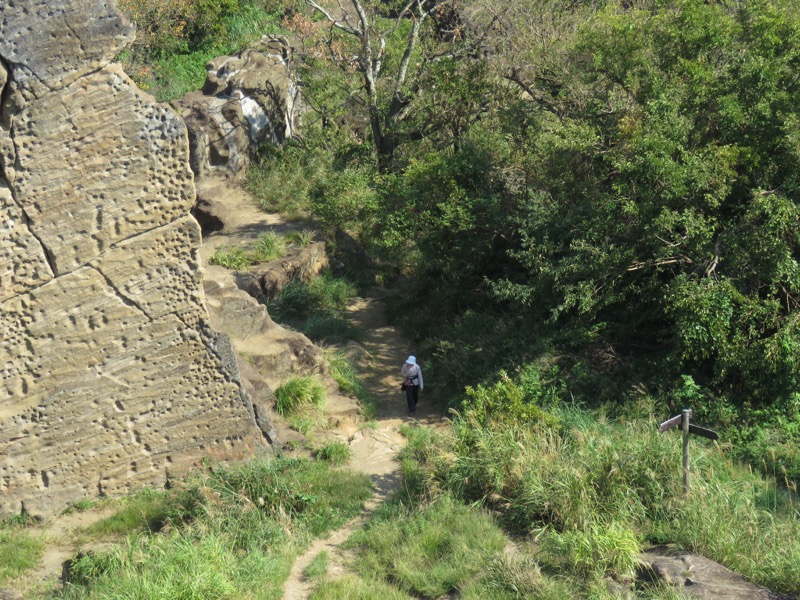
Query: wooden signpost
point(683, 419)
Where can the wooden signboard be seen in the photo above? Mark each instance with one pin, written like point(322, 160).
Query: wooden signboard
point(683, 420)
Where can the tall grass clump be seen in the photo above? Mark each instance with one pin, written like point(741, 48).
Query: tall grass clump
point(301, 238)
point(299, 393)
point(270, 245)
point(234, 258)
point(282, 178)
point(430, 552)
point(315, 497)
point(150, 510)
point(335, 453)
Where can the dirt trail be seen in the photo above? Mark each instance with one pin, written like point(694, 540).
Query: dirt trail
point(379, 359)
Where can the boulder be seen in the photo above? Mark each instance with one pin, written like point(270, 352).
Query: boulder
point(698, 577)
point(248, 99)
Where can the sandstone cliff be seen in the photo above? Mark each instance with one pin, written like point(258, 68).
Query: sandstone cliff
point(111, 377)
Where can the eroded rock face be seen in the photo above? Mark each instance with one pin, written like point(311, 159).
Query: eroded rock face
point(111, 376)
point(248, 99)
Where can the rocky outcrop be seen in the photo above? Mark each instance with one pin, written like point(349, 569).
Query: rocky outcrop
point(112, 378)
point(698, 577)
point(248, 99)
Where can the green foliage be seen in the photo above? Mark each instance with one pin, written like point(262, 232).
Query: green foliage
point(345, 201)
point(308, 492)
point(282, 178)
point(176, 38)
point(231, 258)
point(244, 541)
point(594, 492)
point(351, 587)
point(345, 373)
point(335, 453)
point(316, 307)
point(19, 552)
point(325, 294)
point(505, 401)
point(298, 394)
point(518, 575)
point(599, 550)
point(318, 567)
point(150, 510)
point(269, 246)
point(430, 552)
point(301, 238)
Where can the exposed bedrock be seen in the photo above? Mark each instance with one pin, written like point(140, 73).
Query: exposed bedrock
point(248, 99)
point(111, 376)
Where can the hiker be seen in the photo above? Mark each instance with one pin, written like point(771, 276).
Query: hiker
point(412, 383)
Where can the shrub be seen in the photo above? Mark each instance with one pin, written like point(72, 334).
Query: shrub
point(344, 373)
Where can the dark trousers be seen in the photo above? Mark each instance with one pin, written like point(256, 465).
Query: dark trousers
point(412, 397)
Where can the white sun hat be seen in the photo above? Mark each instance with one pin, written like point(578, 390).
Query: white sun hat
point(411, 360)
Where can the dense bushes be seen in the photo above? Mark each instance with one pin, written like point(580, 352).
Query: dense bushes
point(594, 491)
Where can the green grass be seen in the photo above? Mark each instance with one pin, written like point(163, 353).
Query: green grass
point(335, 453)
point(428, 552)
point(19, 551)
point(149, 510)
point(172, 76)
point(269, 246)
point(231, 258)
point(331, 329)
point(352, 587)
point(594, 492)
point(323, 295)
point(283, 178)
point(301, 238)
point(299, 393)
point(317, 568)
point(345, 374)
point(309, 493)
point(256, 517)
point(316, 308)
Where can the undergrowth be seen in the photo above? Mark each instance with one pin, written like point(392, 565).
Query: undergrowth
point(316, 307)
point(246, 527)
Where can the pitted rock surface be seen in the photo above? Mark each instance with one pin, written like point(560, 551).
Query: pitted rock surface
point(112, 377)
point(699, 577)
point(248, 99)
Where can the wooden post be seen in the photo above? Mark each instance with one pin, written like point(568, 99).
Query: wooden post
point(687, 413)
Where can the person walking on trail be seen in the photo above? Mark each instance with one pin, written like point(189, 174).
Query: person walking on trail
point(412, 383)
